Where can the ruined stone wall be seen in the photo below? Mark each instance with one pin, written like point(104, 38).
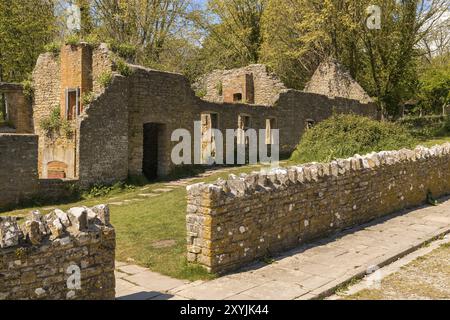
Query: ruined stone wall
point(18, 107)
point(296, 108)
point(46, 91)
point(267, 86)
point(101, 64)
point(167, 99)
point(18, 173)
point(39, 258)
point(19, 180)
point(233, 222)
point(102, 137)
point(332, 80)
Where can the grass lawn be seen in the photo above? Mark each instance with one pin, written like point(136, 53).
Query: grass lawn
point(434, 141)
point(151, 232)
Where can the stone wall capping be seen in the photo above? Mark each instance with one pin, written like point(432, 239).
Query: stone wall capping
point(45, 250)
point(239, 186)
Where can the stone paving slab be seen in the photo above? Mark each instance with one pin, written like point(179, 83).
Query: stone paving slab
point(309, 272)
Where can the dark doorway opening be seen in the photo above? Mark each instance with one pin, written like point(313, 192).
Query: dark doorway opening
point(152, 132)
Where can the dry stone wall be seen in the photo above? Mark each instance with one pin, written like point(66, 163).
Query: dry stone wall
point(43, 257)
point(233, 222)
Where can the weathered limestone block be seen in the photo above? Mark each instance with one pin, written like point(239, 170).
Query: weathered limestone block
point(78, 218)
point(32, 231)
point(35, 264)
point(9, 232)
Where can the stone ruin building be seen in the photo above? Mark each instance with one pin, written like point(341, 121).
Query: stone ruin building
point(110, 126)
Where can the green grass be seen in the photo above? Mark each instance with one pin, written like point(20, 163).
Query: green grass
point(434, 141)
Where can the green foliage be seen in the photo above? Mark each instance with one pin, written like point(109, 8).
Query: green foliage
point(25, 27)
point(435, 85)
point(431, 200)
point(73, 40)
point(27, 85)
point(98, 191)
point(234, 35)
point(87, 98)
point(343, 136)
point(426, 127)
point(384, 61)
point(201, 93)
point(124, 50)
point(122, 67)
point(220, 88)
point(93, 40)
point(53, 47)
point(105, 78)
point(55, 125)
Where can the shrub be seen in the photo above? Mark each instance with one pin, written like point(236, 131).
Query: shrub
point(73, 40)
point(220, 88)
point(53, 47)
point(27, 86)
point(201, 93)
point(122, 67)
point(98, 191)
point(426, 127)
point(105, 79)
point(54, 124)
point(87, 98)
point(343, 136)
point(93, 40)
point(124, 50)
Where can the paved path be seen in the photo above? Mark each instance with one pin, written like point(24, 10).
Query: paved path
point(308, 272)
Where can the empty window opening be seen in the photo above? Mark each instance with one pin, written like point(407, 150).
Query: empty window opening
point(270, 126)
point(72, 103)
point(220, 89)
point(244, 122)
point(237, 97)
point(210, 121)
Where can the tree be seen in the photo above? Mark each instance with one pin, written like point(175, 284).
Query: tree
point(298, 34)
point(145, 24)
point(434, 84)
point(25, 27)
point(233, 33)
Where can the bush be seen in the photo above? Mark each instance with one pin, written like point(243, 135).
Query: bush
point(98, 191)
point(426, 127)
point(105, 79)
point(122, 67)
point(87, 98)
point(27, 85)
point(72, 40)
point(124, 50)
point(54, 124)
point(53, 47)
point(343, 136)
